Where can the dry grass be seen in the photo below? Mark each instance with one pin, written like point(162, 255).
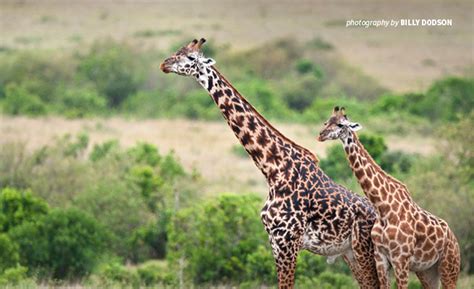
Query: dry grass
point(206, 146)
point(402, 59)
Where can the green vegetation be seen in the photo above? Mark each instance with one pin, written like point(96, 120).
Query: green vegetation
point(107, 216)
point(121, 225)
point(290, 82)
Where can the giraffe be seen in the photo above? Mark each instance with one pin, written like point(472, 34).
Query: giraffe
point(304, 208)
point(405, 236)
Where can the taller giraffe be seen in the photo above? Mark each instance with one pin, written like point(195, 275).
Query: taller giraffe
point(405, 235)
point(304, 209)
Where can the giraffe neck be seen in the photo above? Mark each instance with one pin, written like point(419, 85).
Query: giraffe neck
point(380, 187)
point(266, 145)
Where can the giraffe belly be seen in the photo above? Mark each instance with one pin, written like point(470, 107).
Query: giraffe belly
point(417, 265)
point(323, 244)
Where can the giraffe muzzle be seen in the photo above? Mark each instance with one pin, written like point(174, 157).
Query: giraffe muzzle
point(164, 68)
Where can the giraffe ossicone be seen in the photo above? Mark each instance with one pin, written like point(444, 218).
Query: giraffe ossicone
point(304, 208)
point(405, 236)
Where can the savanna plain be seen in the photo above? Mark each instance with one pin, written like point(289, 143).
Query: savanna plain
point(114, 175)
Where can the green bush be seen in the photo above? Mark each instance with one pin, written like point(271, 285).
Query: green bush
point(374, 144)
point(449, 98)
point(445, 100)
point(236, 232)
point(326, 280)
point(14, 276)
point(101, 151)
point(81, 102)
point(298, 94)
point(116, 275)
point(17, 207)
point(119, 207)
point(155, 272)
point(19, 101)
point(397, 161)
point(264, 98)
point(304, 66)
point(9, 253)
point(63, 244)
point(149, 241)
point(39, 72)
point(335, 163)
point(114, 70)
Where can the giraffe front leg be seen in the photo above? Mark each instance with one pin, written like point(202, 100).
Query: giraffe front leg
point(285, 251)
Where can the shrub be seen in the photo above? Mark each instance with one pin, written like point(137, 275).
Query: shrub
point(17, 207)
point(81, 102)
point(149, 241)
point(9, 254)
point(114, 70)
point(335, 163)
point(264, 98)
point(39, 73)
point(101, 151)
point(196, 105)
point(113, 274)
point(155, 272)
point(63, 244)
point(119, 207)
point(374, 144)
point(300, 93)
point(236, 233)
point(327, 280)
point(145, 153)
point(19, 101)
point(448, 98)
point(397, 161)
point(304, 66)
point(13, 276)
point(445, 100)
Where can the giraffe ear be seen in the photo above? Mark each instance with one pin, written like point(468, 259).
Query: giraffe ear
point(354, 126)
point(208, 61)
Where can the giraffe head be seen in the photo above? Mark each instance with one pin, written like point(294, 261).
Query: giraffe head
point(188, 60)
point(338, 126)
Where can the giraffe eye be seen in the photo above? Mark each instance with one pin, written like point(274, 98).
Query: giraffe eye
point(339, 125)
point(191, 58)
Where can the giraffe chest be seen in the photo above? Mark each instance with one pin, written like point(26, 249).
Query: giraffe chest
point(328, 233)
point(321, 240)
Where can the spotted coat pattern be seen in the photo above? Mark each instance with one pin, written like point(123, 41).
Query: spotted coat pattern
point(405, 236)
point(304, 209)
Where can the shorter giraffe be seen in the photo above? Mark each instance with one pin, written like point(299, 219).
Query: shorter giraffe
point(405, 236)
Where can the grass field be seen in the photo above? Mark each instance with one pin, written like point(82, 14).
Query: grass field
point(403, 58)
point(205, 146)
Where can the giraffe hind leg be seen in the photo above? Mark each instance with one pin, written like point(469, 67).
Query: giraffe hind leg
point(429, 278)
point(362, 254)
point(450, 263)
